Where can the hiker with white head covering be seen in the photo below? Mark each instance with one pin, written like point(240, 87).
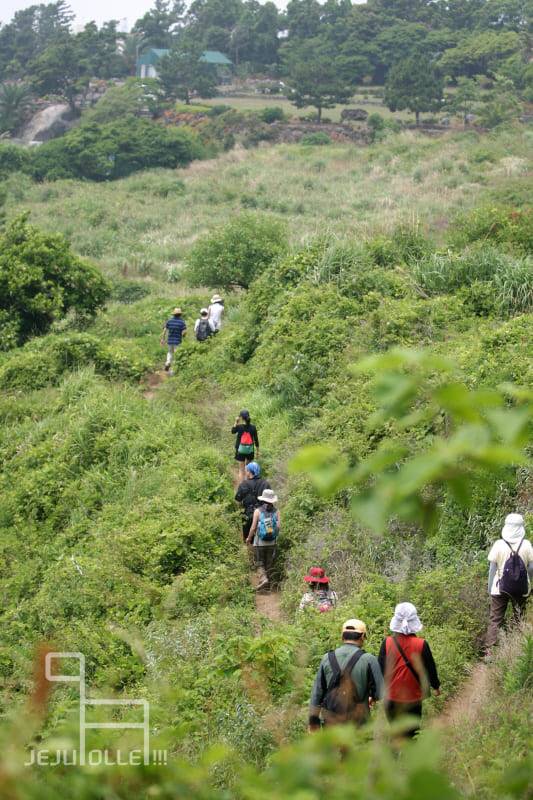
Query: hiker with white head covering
point(510, 575)
point(215, 311)
point(408, 666)
point(264, 534)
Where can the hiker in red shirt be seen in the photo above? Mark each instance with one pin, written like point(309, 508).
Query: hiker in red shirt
point(408, 666)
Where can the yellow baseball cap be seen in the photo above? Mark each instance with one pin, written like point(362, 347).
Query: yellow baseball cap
point(354, 625)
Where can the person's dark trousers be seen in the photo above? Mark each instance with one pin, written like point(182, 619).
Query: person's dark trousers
point(246, 525)
point(498, 607)
point(395, 710)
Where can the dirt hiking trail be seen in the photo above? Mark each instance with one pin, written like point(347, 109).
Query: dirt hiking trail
point(267, 602)
point(464, 706)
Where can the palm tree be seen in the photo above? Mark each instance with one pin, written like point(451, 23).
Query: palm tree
point(15, 99)
point(130, 49)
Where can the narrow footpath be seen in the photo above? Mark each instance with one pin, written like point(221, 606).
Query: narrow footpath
point(267, 602)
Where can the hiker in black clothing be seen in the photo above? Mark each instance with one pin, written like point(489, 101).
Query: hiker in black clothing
point(203, 327)
point(247, 494)
point(247, 442)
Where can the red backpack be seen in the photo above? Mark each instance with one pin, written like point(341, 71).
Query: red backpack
point(246, 445)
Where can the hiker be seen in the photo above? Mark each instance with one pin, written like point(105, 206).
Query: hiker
point(319, 595)
point(348, 681)
point(246, 442)
point(264, 534)
point(203, 327)
point(173, 332)
point(215, 311)
point(408, 666)
point(510, 574)
point(247, 494)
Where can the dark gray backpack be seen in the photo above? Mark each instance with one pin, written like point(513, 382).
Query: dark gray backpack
point(514, 576)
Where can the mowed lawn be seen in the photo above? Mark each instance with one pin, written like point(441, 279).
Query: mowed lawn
point(256, 102)
point(145, 225)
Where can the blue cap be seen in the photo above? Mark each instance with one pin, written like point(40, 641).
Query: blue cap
point(253, 468)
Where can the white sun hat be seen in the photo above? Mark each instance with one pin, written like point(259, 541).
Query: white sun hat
point(405, 619)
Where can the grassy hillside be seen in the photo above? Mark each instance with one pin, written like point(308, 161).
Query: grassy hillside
point(119, 534)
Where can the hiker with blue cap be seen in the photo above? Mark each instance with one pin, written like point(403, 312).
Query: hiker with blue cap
point(247, 494)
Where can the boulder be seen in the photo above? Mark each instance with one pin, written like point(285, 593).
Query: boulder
point(48, 123)
point(354, 114)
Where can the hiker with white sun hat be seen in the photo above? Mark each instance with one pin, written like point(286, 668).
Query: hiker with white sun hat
point(215, 312)
point(264, 534)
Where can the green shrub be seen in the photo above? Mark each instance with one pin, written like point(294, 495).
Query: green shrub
point(317, 138)
point(13, 158)
point(41, 279)
point(133, 98)
point(114, 150)
point(236, 253)
point(272, 114)
point(510, 227)
point(128, 291)
point(406, 245)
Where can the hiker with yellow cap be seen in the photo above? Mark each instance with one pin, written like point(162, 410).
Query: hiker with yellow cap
point(173, 334)
point(348, 682)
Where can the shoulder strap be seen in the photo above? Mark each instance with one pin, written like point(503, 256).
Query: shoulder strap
point(406, 661)
point(514, 552)
point(352, 662)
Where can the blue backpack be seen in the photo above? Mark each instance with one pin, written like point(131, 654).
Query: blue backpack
point(267, 530)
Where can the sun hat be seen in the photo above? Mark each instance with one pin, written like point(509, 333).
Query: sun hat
point(204, 312)
point(316, 575)
point(513, 530)
point(405, 619)
point(253, 468)
point(352, 625)
point(216, 298)
point(177, 310)
point(268, 496)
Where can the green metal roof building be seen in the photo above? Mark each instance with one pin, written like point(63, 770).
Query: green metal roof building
point(147, 61)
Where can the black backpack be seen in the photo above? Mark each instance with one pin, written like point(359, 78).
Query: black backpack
point(204, 330)
point(341, 702)
point(514, 576)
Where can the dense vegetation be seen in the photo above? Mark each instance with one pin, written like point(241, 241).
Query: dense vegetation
point(119, 533)
point(322, 52)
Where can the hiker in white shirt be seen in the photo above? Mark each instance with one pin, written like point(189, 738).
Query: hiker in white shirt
point(509, 581)
point(216, 310)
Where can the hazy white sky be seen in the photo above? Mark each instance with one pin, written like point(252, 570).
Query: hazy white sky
point(98, 10)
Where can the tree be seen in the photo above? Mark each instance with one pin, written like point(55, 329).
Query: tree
point(480, 53)
point(114, 150)
point(159, 26)
point(315, 75)
point(500, 103)
point(236, 253)
point(31, 31)
point(466, 98)
point(414, 84)
point(15, 100)
point(61, 70)
point(130, 47)
point(41, 279)
point(132, 98)
point(182, 73)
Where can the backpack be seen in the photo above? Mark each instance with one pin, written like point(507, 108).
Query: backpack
point(325, 603)
point(246, 444)
point(267, 530)
point(204, 330)
point(341, 702)
point(514, 576)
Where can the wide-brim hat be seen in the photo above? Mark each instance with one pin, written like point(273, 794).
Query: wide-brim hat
point(268, 496)
point(216, 298)
point(316, 575)
point(177, 310)
point(203, 312)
